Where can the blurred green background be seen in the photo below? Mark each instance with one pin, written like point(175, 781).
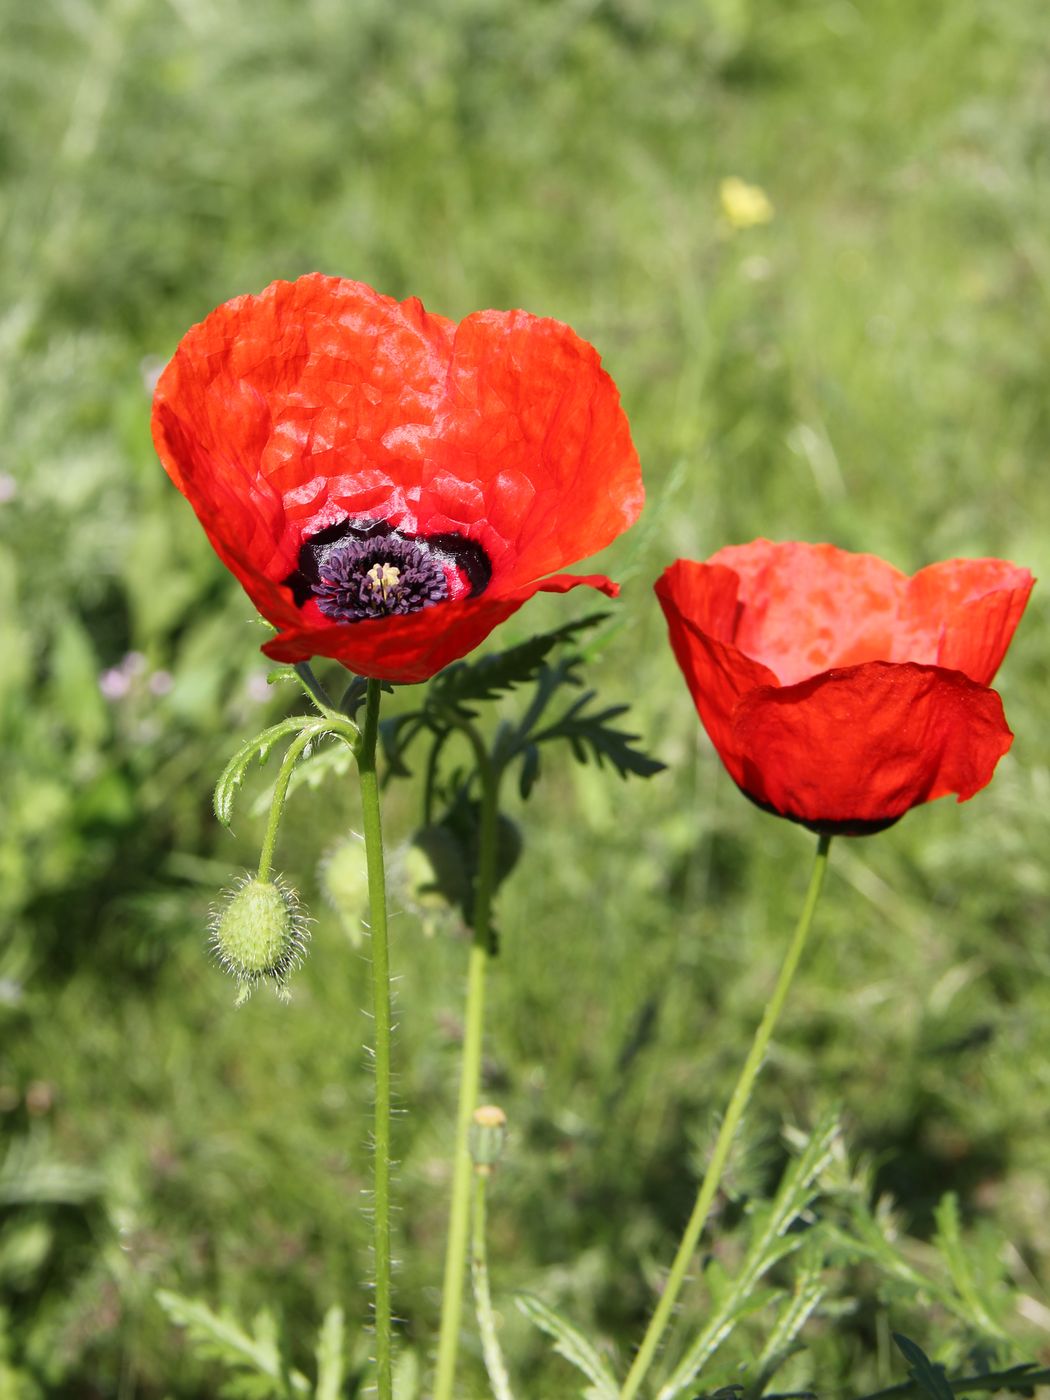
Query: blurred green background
point(865, 363)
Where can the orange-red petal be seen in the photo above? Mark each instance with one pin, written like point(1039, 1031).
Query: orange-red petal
point(866, 744)
point(322, 400)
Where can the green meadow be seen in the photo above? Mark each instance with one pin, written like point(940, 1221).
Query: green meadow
point(867, 364)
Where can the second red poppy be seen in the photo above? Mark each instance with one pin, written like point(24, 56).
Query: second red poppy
point(839, 692)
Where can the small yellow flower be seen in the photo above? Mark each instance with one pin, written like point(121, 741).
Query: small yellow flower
point(744, 205)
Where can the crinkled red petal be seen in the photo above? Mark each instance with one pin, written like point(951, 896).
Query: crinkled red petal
point(286, 412)
point(867, 743)
point(699, 602)
point(969, 609)
point(805, 608)
point(416, 646)
point(845, 747)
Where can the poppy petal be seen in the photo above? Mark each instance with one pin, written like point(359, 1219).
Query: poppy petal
point(534, 424)
point(807, 607)
point(963, 613)
point(866, 743)
point(321, 405)
point(699, 602)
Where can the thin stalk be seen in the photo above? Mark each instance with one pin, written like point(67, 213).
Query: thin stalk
point(713, 1176)
point(479, 1273)
point(280, 792)
point(373, 831)
point(470, 1075)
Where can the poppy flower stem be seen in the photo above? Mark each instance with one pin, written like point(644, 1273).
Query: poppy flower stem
point(730, 1123)
point(470, 1073)
point(373, 832)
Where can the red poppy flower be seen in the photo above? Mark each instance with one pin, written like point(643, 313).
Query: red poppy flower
point(387, 485)
point(838, 691)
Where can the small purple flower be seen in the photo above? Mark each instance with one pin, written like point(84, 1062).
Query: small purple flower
point(114, 684)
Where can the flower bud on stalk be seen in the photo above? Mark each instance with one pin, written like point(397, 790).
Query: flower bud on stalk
point(259, 930)
point(488, 1134)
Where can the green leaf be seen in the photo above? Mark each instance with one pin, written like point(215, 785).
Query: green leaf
point(530, 770)
point(949, 1242)
point(331, 1357)
point(313, 727)
point(317, 764)
point(258, 747)
point(594, 735)
point(395, 735)
point(217, 1337)
point(929, 1377)
point(770, 1243)
point(466, 682)
point(406, 1375)
point(573, 1345)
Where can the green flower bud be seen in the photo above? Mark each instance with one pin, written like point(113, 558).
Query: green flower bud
point(488, 1133)
point(435, 875)
point(259, 931)
point(344, 882)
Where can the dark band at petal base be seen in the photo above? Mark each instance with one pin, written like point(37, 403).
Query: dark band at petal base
point(827, 828)
point(364, 569)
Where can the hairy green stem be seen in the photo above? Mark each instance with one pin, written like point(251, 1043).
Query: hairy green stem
point(470, 1074)
point(479, 1273)
point(366, 763)
point(712, 1177)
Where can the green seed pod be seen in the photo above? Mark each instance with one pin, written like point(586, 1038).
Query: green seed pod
point(488, 1133)
point(259, 931)
point(344, 882)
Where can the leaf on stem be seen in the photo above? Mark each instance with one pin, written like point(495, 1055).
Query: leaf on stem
point(570, 1343)
point(929, 1377)
point(256, 748)
point(466, 682)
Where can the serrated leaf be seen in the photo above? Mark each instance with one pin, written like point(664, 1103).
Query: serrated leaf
point(594, 735)
point(949, 1242)
point(258, 747)
point(570, 1343)
point(806, 1294)
point(770, 1243)
point(467, 682)
point(930, 1378)
point(530, 770)
point(317, 764)
point(331, 1358)
point(395, 736)
point(218, 1337)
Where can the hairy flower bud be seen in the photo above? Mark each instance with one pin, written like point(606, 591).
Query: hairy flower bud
point(344, 881)
point(259, 931)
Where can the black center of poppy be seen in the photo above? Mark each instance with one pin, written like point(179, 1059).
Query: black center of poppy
point(360, 569)
point(378, 577)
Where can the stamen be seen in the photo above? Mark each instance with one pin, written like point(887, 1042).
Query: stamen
point(363, 568)
point(377, 576)
point(383, 578)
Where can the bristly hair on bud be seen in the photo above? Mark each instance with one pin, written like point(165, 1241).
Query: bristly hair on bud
point(259, 930)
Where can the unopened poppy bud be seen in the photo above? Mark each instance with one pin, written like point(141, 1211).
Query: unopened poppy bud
point(434, 870)
point(488, 1133)
point(259, 931)
point(344, 881)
